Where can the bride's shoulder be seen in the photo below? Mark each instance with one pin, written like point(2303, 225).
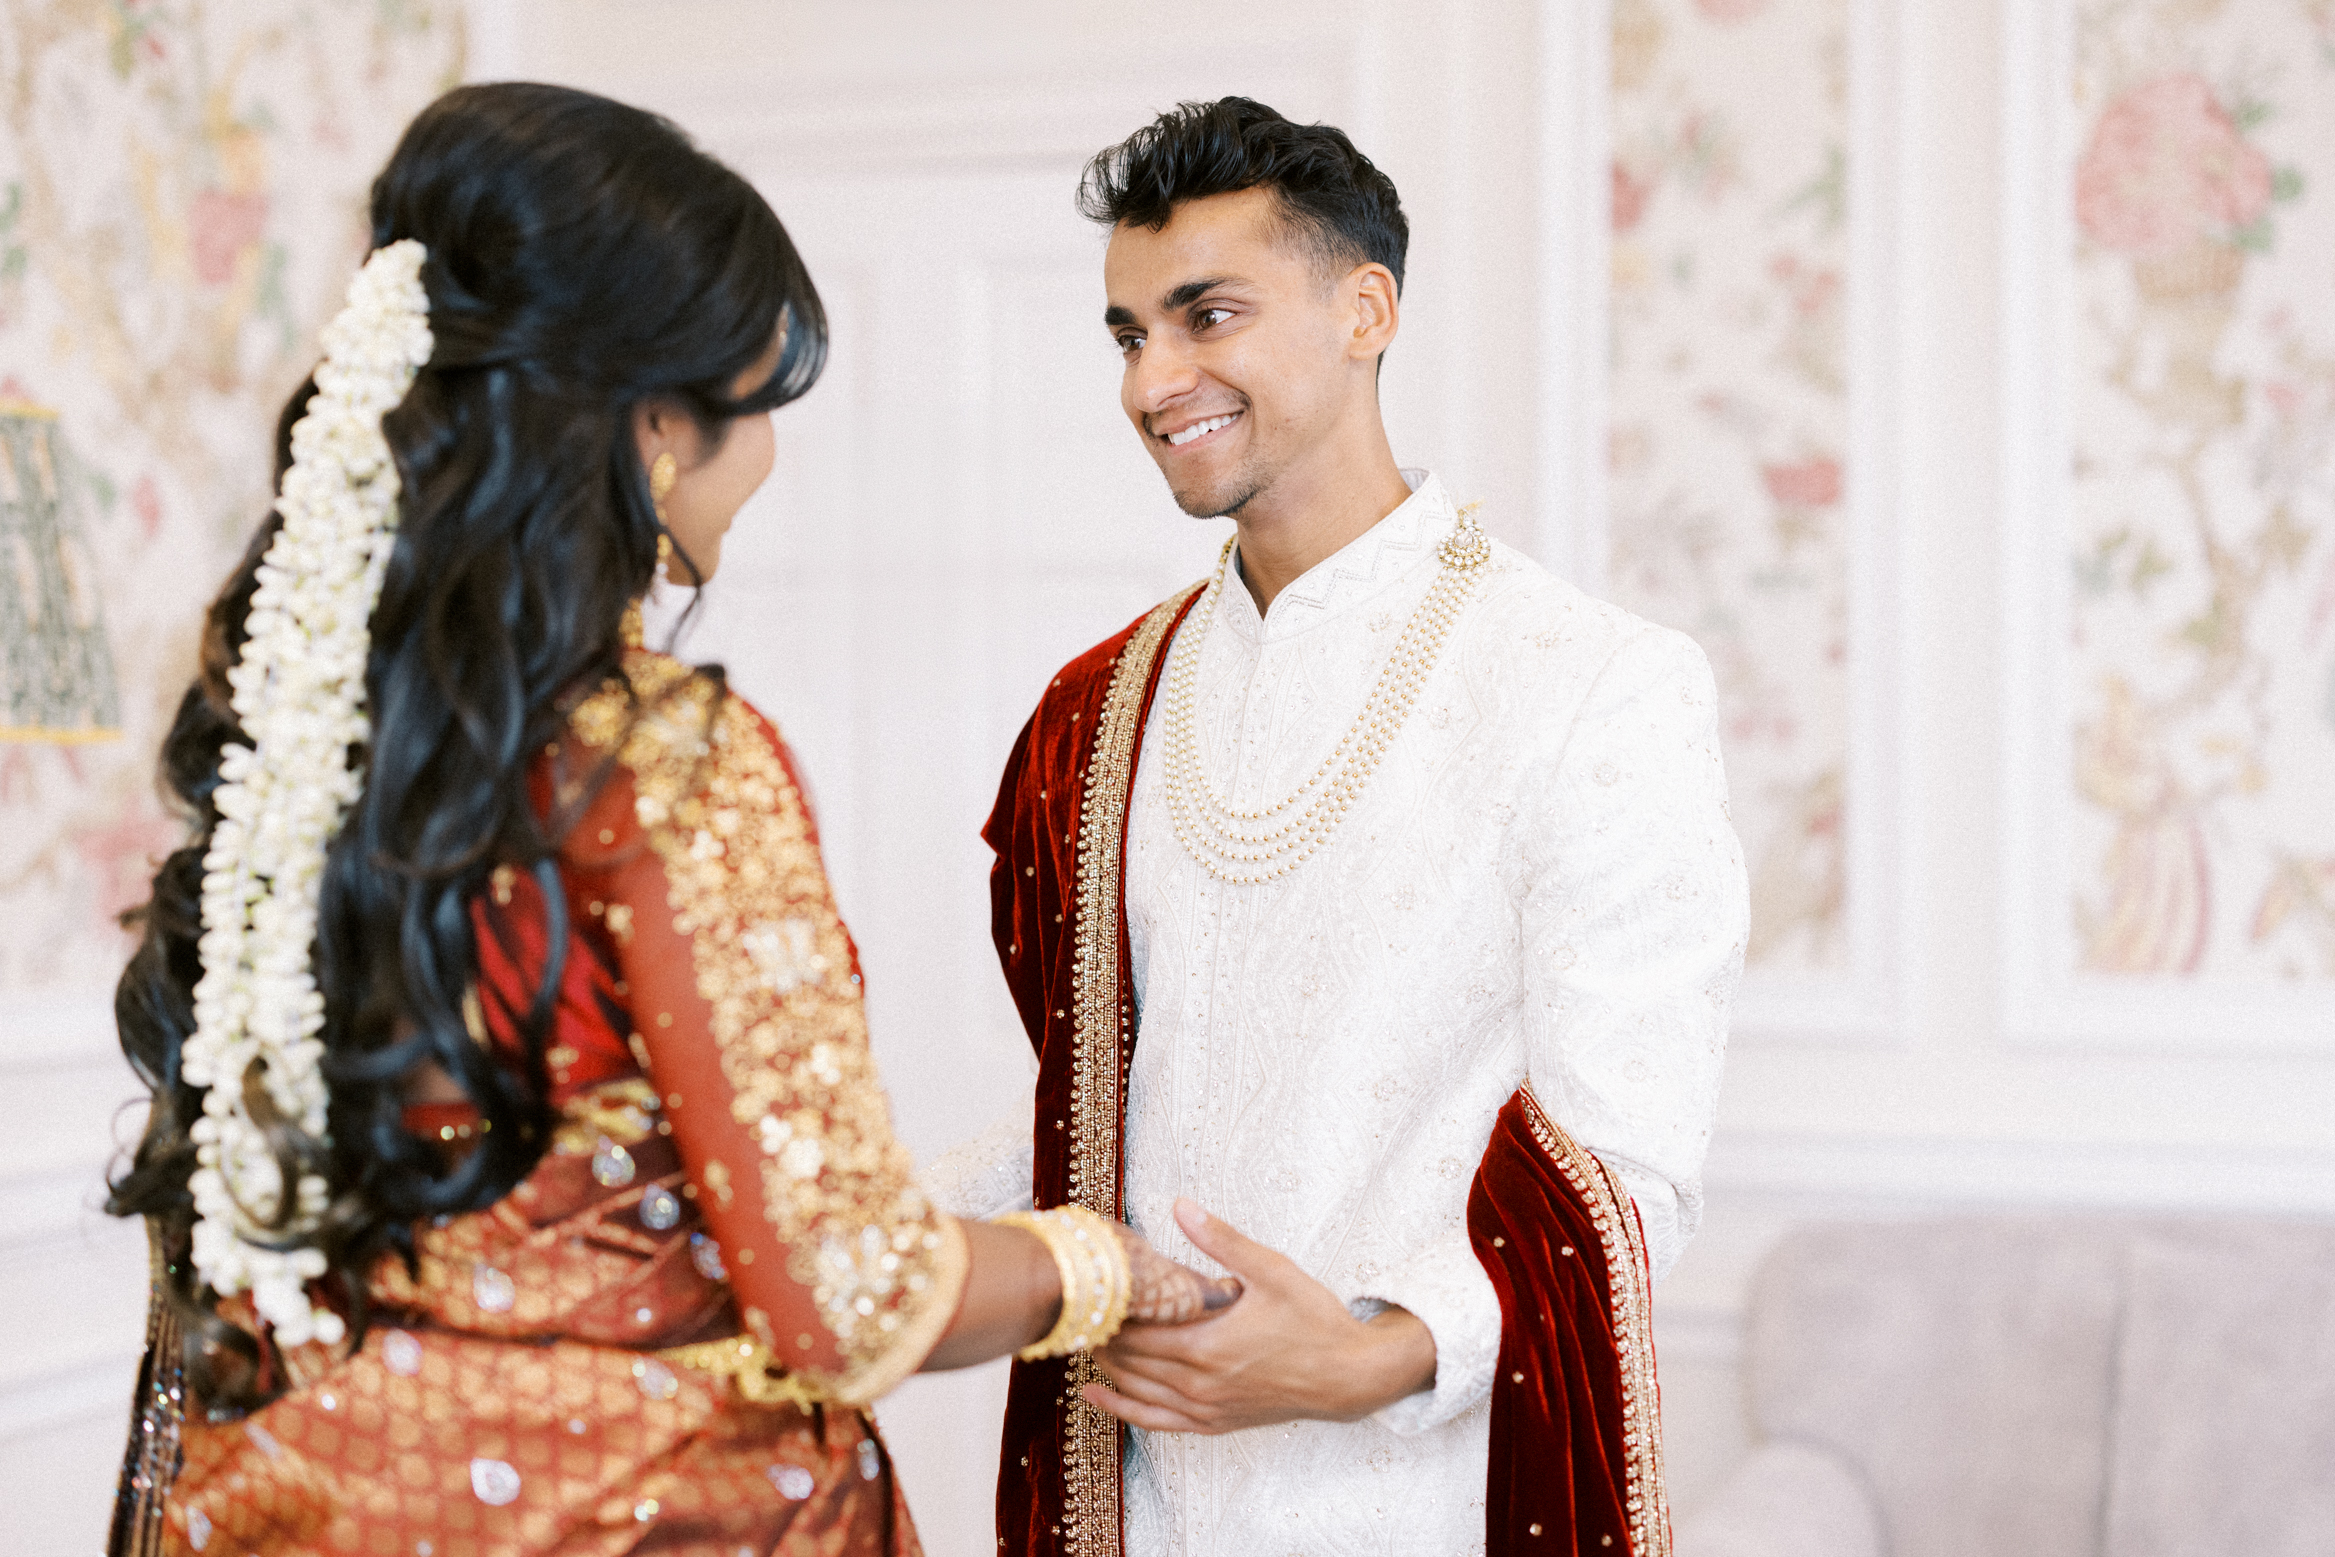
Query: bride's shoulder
point(658, 711)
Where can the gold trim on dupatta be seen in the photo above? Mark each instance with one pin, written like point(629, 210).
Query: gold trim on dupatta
point(1103, 1016)
point(1615, 1217)
point(150, 1462)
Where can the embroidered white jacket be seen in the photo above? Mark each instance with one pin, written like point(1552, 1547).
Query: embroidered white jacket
point(1540, 883)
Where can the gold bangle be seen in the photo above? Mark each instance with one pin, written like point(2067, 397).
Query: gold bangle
point(1097, 1283)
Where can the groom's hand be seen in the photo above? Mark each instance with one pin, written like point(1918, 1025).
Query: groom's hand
point(1287, 1350)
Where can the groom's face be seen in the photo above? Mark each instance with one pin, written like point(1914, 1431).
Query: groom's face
point(1236, 349)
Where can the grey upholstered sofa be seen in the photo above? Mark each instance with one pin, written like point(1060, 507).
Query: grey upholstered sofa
point(2061, 1387)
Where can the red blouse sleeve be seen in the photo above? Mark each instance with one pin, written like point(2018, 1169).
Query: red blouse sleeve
point(744, 989)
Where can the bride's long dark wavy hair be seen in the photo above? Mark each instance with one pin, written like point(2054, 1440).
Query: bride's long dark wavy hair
point(584, 259)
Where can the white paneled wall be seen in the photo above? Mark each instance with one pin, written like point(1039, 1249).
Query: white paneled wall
point(72, 1280)
point(959, 507)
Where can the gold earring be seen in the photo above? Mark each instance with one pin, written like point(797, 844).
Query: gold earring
point(664, 471)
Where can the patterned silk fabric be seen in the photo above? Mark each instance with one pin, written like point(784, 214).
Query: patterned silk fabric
point(657, 1342)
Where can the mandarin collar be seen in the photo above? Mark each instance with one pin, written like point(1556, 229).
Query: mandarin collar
point(1349, 576)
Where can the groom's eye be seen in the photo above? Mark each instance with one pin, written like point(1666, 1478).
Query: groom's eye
point(1128, 344)
point(1207, 317)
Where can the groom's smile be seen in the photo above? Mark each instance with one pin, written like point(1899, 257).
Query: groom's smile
point(1186, 433)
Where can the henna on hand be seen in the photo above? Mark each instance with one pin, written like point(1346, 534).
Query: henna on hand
point(1166, 1293)
point(1288, 1351)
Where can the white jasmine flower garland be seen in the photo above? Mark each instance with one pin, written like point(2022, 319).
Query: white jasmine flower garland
point(299, 693)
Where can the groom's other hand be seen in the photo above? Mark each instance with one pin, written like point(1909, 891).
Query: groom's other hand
point(1288, 1350)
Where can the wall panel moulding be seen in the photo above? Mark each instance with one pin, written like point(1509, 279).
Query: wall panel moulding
point(2169, 526)
point(1742, 456)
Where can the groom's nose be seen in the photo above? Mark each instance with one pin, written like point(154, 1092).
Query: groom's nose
point(1164, 372)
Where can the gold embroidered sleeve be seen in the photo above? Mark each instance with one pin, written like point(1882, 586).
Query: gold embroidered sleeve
point(744, 987)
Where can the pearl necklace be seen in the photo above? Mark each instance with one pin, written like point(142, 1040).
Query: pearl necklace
point(1253, 844)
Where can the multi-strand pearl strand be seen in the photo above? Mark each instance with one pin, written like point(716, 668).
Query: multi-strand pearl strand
point(1261, 843)
point(299, 694)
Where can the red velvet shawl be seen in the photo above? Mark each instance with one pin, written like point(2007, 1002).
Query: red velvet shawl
point(1576, 1448)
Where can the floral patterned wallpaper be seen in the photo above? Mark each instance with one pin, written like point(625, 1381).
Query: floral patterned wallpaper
point(181, 203)
point(1729, 411)
point(2203, 497)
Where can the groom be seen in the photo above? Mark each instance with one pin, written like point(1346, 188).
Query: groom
point(1378, 897)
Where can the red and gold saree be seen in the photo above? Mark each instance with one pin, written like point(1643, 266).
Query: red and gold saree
point(661, 1340)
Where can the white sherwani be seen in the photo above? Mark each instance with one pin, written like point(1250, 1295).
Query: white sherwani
point(1540, 883)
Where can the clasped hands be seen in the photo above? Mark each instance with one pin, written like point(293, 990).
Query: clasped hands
point(1268, 1344)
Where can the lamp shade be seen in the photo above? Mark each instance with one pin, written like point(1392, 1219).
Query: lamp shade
point(56, 672)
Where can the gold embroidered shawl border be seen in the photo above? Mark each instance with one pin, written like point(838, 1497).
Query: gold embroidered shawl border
point(1102, 1020)
point(1615, 1217)
point(774, 965)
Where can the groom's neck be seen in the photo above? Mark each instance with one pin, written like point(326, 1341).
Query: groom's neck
point(1315, 506)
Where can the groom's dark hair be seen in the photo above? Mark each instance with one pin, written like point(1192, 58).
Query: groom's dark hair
point(1332, 197)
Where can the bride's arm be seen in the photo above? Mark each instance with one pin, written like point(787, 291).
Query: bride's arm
point(744, 995)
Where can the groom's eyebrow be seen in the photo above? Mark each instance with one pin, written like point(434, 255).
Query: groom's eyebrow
point(1119, 315)
point(1191, 292)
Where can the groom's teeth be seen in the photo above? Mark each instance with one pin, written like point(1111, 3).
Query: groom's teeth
point(1179, 439)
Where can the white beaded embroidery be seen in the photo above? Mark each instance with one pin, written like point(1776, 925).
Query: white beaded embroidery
point(401, 1354)
point(492, 1289)
point(612, 1165)
point(495, 1482)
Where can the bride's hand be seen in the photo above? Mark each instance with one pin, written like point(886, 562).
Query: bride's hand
point(1167, 1293)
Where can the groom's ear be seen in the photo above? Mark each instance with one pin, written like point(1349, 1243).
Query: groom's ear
point(1377, 310)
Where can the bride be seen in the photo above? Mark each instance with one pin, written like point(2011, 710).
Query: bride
point(517, 1176)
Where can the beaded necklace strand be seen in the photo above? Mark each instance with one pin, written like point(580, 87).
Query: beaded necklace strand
point(1262, 843)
